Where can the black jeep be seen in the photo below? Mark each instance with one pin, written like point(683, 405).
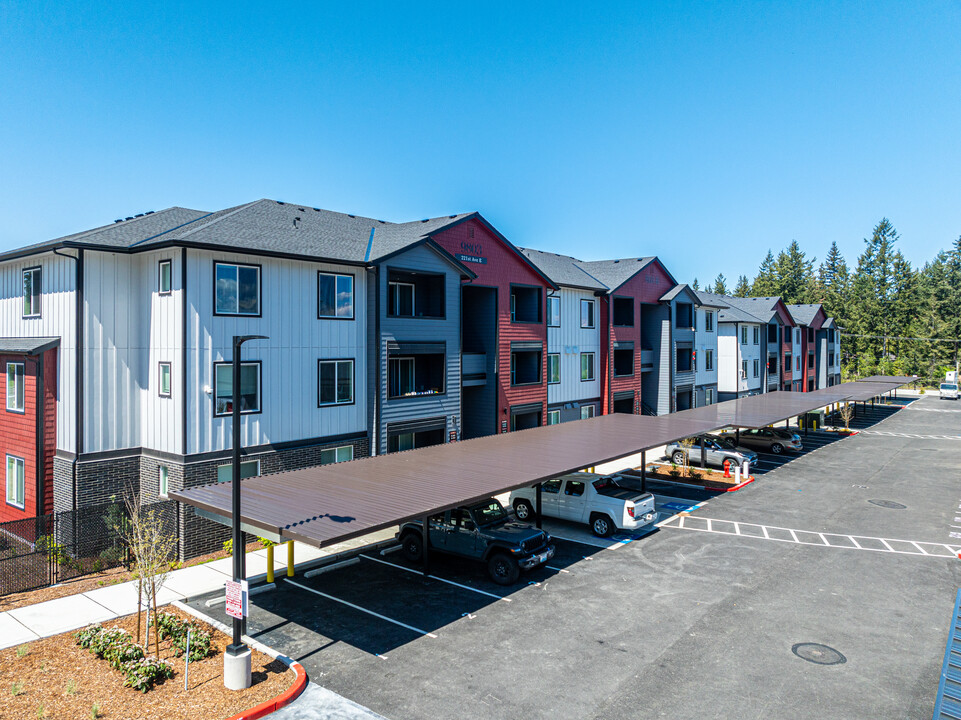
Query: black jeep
point(482, 532)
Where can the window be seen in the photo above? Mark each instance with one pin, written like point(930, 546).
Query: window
point(236, 289)
point(682, 359)
point(553, 417)
point(757, 366)
point(415, 294)
point(810, 335)
point(587, 313)
point(525, 367)
point(400, 299)
point(587, 411)
point(587, 366)
point(787, 362)
point(831, 359)
point(163, 473)
point(249, 388)
point(810, 360)
point(744, 335)
point(164, 384)
point(553, 311)
point(553, 368)
point(335, 382)
point(708, 321)
point(575, 488)
point(743, 368)
point(623, 361)
point(250, 468)
point(343, 453)
point(709, 359)
point(797, 362)
point(15, 387)
point(708, 396)
point(525, 304)
point(685, 315)
point(398, 442)
point(797, 336)
point(335, 296)
point(551, 486)
point(623, 312)
point(164, 276)
point(15, 482)
point(31, 292)
point(757, 335)
point(772, 333)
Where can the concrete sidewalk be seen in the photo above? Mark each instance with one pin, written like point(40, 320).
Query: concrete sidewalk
point(53, 617)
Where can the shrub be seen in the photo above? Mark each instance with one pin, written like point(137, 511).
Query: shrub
point(144, 673)
point(229, 546)
point(171, 626)
point(695, 474)
point(674, 472)
point(265, 542)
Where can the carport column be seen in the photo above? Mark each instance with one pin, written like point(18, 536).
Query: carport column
point(703, 453)
point(270, 563)
point(290, 558)
point(643, 470)
point(537, 501)
point(425, 543)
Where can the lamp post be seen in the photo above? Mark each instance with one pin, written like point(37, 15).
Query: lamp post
point(237, 655)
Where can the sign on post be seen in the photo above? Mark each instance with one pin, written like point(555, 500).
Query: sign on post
point(237, 599)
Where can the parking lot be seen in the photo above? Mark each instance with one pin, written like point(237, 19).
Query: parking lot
point(693, 620)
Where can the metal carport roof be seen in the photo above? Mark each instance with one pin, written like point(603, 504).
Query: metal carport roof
point(892, 379)
point(862, 390)
point(759, 411)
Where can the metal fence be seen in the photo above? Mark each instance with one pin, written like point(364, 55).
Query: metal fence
point(50, 549)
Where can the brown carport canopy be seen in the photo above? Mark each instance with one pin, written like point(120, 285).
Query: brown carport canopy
point(863, 390)
point(891, 379)
point(331, 503)
point(327, 504)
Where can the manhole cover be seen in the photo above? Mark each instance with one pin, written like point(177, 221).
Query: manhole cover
point(890, 504)
point(818, 654)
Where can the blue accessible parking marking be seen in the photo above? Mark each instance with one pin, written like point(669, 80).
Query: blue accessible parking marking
point(677, 507)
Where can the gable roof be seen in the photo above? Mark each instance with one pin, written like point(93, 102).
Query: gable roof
point(707, 299)
point(764, 308)
point(683, 288)
point(563, 269)
point(27, 345)
point(804, 314)
point(614, 273)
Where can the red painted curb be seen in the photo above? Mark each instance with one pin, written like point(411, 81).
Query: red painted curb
point(738, 487)
point(282, 700)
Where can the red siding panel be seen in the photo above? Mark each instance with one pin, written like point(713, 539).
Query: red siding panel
point(18, 437)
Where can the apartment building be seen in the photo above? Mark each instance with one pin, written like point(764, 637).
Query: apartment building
point(809, 319)
point(740, 370)
point(706, 352)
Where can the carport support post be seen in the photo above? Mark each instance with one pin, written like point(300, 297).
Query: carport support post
point(290, 558)
point(703, 453)
point(270, 563)
point(425, 543)
point(643, 470)
point(537, 501)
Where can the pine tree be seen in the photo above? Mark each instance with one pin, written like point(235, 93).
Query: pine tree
point(794, 275)
point(765, 283)
point(694, 286)
point(743, 287)
point(833, 285)
point(720, 284)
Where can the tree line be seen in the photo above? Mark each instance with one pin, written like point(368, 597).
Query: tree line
point(895, 319)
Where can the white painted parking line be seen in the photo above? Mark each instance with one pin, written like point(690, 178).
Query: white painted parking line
point(841, 541)
point(910, 435)
point(363, 610)
point(551, 567)
point(434, 577)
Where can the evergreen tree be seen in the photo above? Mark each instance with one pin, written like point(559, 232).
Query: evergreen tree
point(743, 287)
point(765, 283)
point(694, 286)
point(794, 277)
point(720, 284)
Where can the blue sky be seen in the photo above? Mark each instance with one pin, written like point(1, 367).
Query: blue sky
point(704, 133)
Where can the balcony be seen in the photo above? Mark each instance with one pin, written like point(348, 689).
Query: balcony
point(473, 368)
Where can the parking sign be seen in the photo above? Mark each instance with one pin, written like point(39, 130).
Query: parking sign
point(237, 598)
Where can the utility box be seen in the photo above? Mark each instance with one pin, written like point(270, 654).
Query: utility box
point(951, 376)
point(812, 420)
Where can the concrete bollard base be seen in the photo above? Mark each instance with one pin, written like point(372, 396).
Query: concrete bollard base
point(237, 670)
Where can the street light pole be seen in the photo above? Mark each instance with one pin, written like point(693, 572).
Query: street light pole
point(237, 655)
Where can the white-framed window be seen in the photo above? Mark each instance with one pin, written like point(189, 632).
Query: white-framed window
point(587, 313)
point(400, 299)
point(165, 277)
point(757, 365)
point(553, 311)
point(587, 411)
point(708, 396)
point(335, 296)
point(249, 388)
point(335, 382)
point(708, 321)
point(553, 417)
point(709, 359)
point(744, 335)
point(587, 366)
point(16, 387)
point(553, 368)
point(236, 289)
point(32, 288)
point(163, 384)
point(15, 481)
point(757, 335)
point(163, 477)
point(248, 468)
point(343, 453)
point(743, 368)
point(400, 376)
point(797, 336)
point(797, 362)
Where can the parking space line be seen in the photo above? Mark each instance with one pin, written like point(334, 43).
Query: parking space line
point(363, 610)
point(919, 547)
point(884, 542)
point(434, 577)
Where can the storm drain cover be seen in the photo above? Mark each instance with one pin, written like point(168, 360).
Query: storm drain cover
point(890, 504)
point(818, 654)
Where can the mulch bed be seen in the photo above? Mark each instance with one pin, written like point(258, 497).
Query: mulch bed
point(50, 665)
point(710, 479)
point(113, 576)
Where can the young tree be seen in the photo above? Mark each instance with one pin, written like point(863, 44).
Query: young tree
point(743, 287)
point(694, 286)
point(720, 284)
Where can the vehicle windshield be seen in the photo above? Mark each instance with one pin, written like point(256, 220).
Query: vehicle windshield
point(725, 442)
point(948, 386)
point(488, 512)
point(606, 482)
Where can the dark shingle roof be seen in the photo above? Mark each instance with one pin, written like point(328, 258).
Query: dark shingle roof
point(614, 273)
point(27, 346)
point(804, 314)
point(677, 290)
point(563, 269)
point(711, 299)
point(760, 307)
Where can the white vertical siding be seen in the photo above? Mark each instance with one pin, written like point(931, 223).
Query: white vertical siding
point(703, 341)
point(728, 358)
point(797, 373)
point(289, 358)
point(57, 319)
point(752, 352)
point(569, 340)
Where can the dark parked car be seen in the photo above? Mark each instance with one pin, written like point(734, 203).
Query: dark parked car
point(775, 440)
point(483, 532)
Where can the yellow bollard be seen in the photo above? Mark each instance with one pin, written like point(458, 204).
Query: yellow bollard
point(290, 558)
point(270, 563)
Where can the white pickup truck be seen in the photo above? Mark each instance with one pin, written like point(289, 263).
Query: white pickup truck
point(585, 497)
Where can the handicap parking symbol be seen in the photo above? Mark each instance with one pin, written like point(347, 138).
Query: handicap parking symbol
point(676, 506)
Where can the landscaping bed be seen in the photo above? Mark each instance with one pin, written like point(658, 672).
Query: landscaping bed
point(54, 677)
point(699, 477)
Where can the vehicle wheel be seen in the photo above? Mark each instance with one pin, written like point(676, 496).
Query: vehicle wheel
point(503, 569)
point(678, 457)
point(523, 509)
point(412, 546)
point(776, 448)
point(602, 525)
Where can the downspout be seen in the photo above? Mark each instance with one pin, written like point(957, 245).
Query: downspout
point(672, 355)
point(183, 349)
point(78, 365)
point(378, 376)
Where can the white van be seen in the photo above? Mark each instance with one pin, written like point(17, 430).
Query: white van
point(949, 390)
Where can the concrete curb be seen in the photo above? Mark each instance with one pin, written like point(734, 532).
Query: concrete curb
point(268, 706)
point(325, 560)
